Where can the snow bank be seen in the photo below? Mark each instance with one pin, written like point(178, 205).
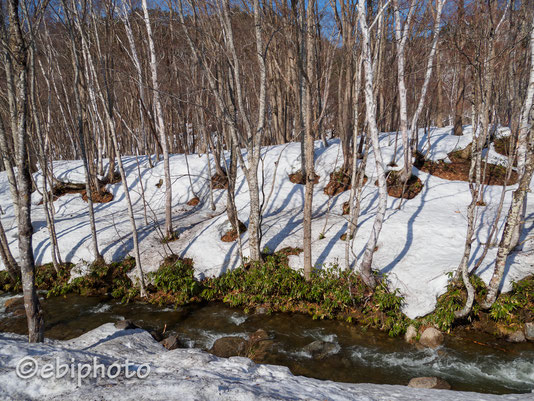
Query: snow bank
point(419, 244)
point(184, 374)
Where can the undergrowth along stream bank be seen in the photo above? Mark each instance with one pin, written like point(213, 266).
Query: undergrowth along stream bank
point(273, 286)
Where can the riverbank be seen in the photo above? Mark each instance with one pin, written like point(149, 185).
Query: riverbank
point(273, 286)
point(324, 329)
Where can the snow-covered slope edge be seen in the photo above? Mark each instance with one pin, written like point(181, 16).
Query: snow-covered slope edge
point(419, 244)
point(182, 374)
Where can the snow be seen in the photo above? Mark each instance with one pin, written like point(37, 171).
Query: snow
point(420, 242)
point(185, 374)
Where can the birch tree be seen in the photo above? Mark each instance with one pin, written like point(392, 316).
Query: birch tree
point(79, 88)
point(401, 36)
point(410, 144)
point(240, 116)
point(12, 267)
point(17, 47)
point(308, 156)
point(522, 139)
point(516, 212)
point(370, 109)
point(106, 98)
point(160, 124)
point(482, 100)
point(42, 145)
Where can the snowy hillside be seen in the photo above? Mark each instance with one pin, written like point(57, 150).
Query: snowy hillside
point(419, 244)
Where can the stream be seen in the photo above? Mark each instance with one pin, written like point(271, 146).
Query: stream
point(359, 355)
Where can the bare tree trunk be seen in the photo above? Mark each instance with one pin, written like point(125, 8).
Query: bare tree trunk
point(358, 173)
point(18, 49)
point(160, 123)
point(522, 138)
point(440, 106)
point(79, 98)
point(459, 104)
point(525, 163)
point(202, 127)
point(513, 219)
point(131, 215)
point(140, 81)
point(308, 155)
point(428, 73)
point(253, 136)
point(49, 176)
point(481, 110)
point(7, 157)
point(7, 258)
point(475, 187)
point(367, 261)
point(107, 101)
point(42, 152)
point(401, 35)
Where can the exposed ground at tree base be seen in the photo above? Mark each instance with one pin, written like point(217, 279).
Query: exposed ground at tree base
point(457, 168)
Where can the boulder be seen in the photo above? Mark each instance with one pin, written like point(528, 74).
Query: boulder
point(429, 382)
point(125, 325)
point(15, 306)
point(156, 335)
point(321, 349)
point(411, 334)
point(259, 346)
point(261, 310)
point(516, 337)
point(529, 331)
point(171, 342)
point(226, 347)
point(431, 338)
point(14, 303)
point(257, 336)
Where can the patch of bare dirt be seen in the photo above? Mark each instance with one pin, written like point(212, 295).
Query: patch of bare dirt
point(101, 196)
point(397, 188)
point(231, 236)
point(194, 201)
point(458, 169)
point(113, 180)
point(503, 145)
point(60, 190)
point(290, 251)
point(339, 182)
point(298, 178)
point(219, 181)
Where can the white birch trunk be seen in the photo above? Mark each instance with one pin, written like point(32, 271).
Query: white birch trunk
point(522, 139)
point(422, 98)
point(366, 264)
point(159, 123)
point(18, 49)
point(308, 155)
point(401, 35)
point(81, 111)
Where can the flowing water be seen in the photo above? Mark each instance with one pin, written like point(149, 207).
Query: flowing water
point(357, 356)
